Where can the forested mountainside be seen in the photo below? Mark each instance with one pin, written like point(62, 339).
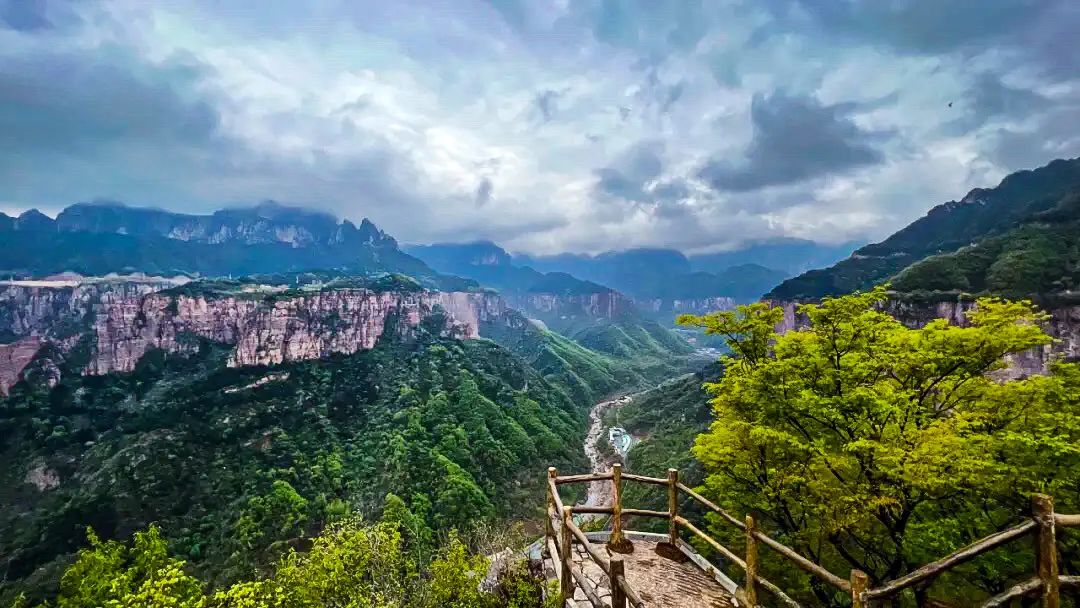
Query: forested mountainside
point(1019, 240)
point(242, 416)
point(237, 464)
point(666, 419)
point(1038, 258)
point(1029, 198)
point(99, 238)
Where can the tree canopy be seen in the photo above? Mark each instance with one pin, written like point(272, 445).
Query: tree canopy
point(867, 444)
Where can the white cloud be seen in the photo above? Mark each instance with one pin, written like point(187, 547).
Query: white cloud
point(407, 112)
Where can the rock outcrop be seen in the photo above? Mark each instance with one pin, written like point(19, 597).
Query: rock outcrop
point(122, 322)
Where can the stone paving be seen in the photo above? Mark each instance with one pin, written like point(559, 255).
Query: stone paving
point(661, 582)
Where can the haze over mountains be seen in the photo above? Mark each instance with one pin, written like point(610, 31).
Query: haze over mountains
point(643, 274)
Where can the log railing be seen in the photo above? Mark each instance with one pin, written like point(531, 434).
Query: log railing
point(1046, 582)
point(621, 591)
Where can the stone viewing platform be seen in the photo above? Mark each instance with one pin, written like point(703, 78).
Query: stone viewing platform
point(620, 568)
point(661, 580)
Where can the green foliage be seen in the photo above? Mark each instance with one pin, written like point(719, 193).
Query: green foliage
point(237, 465)
point(667, 419)
point(1037, 260)
point(865, 444)
point(351, 564)
point(108, 575)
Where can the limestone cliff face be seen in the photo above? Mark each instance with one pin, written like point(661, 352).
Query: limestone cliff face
point(272, 332)
point(123, 323)
point(1063, 325)
point(599, 305)
point(697, 306)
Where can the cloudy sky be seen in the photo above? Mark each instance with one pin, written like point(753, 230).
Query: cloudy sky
point(545, 125)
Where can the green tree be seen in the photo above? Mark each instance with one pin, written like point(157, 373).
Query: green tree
point(108, 575)
point(279, 514)
point(866, 444)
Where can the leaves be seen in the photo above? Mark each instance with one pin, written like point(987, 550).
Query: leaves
point(858, 438)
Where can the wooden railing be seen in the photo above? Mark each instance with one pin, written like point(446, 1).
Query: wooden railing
point(560, 545)
point(1047, 581)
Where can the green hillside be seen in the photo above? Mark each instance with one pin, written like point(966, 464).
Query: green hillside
point(1021, 198)
point(1040, 258)
point(236, 465)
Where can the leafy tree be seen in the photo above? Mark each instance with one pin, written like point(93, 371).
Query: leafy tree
point(108, 575)
point(350, 565)
point(870, 445)
point(278, 514)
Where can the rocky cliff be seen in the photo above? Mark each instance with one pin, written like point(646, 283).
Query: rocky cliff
point(697, 306)
point(122, 322)
point(1064, 325)
point(600, 305)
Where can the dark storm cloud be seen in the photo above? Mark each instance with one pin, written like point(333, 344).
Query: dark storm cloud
point(990, 98)
point(77, 126)
point(546, 102)
point(795, 138)
point(1046, 139)
point(24, 15)
point(483, 192)
point(66, 101)
point(627, 177)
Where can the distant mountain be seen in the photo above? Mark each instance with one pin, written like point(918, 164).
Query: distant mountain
point(742, 283)
point(789, 255)
point(1022, 198)
point(99, 238)
point(482, 261)
point(662, 274)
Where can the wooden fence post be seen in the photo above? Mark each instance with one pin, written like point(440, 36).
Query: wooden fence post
point(618, 597)
point(1042, 508)
point(751, 562)
point(567, 582)
point(549, 528)
point(673, 505)
point(616, 507)
point(859, 583)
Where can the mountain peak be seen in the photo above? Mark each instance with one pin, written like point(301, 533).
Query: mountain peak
point(34, 220)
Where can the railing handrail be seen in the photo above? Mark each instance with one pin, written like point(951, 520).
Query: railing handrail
point(1041, 523)
point(622, 592)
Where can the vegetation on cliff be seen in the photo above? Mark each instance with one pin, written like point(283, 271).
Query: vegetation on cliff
point(238, 465)
point(865, 444)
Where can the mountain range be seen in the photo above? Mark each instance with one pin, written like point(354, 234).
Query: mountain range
point(1018, 237)
point(664, 274)
point(663, 280)
point(97, 238)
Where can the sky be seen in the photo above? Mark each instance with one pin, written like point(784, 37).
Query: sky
point(544, 125)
